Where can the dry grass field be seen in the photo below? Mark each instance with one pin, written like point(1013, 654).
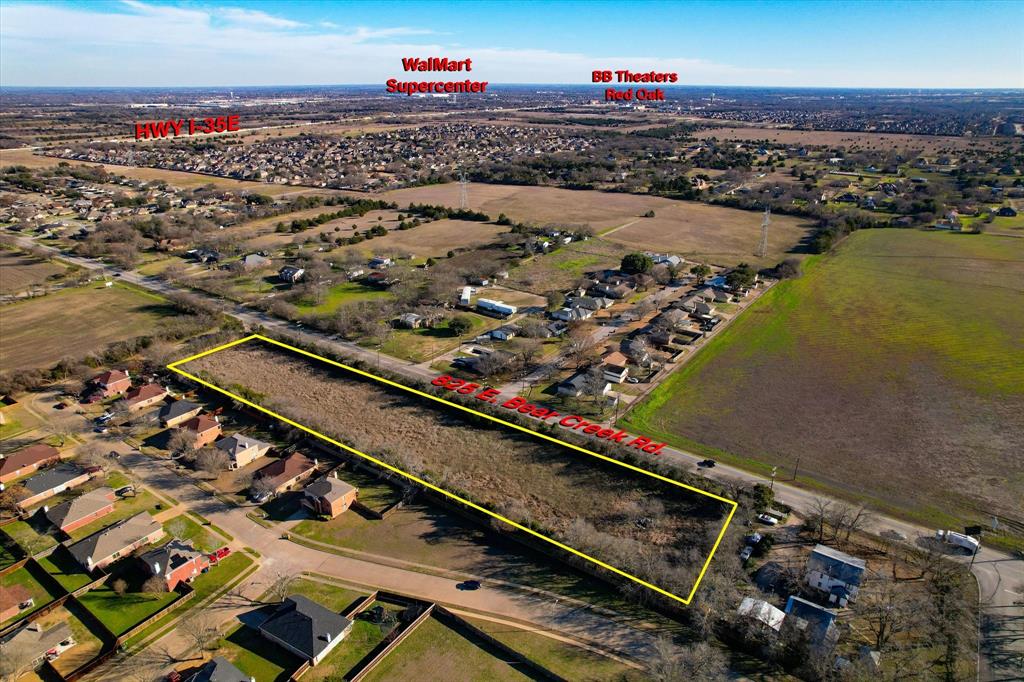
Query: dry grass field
point(691, 228)
point(892, 370)
point(560, 270)
point(581, 500)
point(20, 271)
point(928, 144)
point(74, 322)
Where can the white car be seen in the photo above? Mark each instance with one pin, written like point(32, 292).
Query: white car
point(746, 553)
point(767, 519)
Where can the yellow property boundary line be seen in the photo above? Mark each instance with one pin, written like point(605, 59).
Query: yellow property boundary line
point(174, 366)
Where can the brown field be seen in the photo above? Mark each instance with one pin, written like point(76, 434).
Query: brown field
point(691, 228)
point(562, 269)
point(929, 144)
point(19, 271)
point(583, 501)
point(721, 236)
point(75, 322)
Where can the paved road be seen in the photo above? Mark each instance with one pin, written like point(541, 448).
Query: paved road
point(1000, 576)
point(282, 557)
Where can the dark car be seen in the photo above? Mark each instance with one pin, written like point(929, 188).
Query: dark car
point(468, 585)
point(706, 463)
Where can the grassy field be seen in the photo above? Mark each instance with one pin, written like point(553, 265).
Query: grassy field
point(340, 294)
point(78, 321)
point(120, 612)
point(65, 570)
point(253, 655)
point(686, 227)
point(927, 144)
point(560, 270)
point(571, 662)
point(19, 271)
point(585, 502)
point(893, 370)
point(447, 654)
point(418, 345)
point(41, 596)
point(365, 636)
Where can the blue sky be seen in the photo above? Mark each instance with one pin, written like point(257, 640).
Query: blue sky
point(833, 44)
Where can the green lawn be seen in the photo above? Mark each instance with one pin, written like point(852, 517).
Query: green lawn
point(340, 294)
point(30, 536)
point(40, 594)
point(330, 596)
point(122, 612)
point(571, 662)
point(185, 528)
point(892, 371)
point(255, 656)
point(360, 641)
point(63, 567)
point(205, 586)
point(447, 654)
point(419, 345)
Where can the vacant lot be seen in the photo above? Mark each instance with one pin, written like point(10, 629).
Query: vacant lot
point(722, 236)
point(928, 144)
point(20, 271)
point(585, 502)
point(686, 227)
point(892, 370)
point(447, 654)
point(560, 270)
point(79, 321)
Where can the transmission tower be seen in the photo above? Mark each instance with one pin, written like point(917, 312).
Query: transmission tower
point(463, 191)
point(762, 248)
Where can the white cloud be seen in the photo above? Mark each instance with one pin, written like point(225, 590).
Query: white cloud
point(255, 18)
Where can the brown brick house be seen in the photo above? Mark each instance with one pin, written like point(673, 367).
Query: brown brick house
point(27, 460)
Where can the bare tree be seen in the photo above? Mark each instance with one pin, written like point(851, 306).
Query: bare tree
point(15, 658)
point(181, 443)
point(201, 631)
point(91, 454)
point(819, 515)
point(702, 662)
point(10, 496)
point(856, 520)
point(665, 666)
point(887, 610)
point(119, 586)
point(581, 348)
point(280, 587)
point(212, 461)
point(154, 584)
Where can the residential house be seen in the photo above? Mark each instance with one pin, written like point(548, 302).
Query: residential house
point(835, 573)
point(176, 562)
point(283, 474)
point(380, 262)
point(219, 669)
point(143, 396)
point(290, 274)
point(615, 291)
point(329, 496)
point(615, 367)
point(409, 321)
point(505, 332)
point(33, 643)
point(242, 449)
point(114, 382)
point(204, 427)
point(306, 628)
point(178, 412)
point(764, 614)
point(27, 460)
point(253, 261)
point(1007, 212)
point(673, 318)
point(594, 303)
point(12, 598)
point(572, 314)
point(72, 514)
point(106, 546)
point(52, 481)
point(579, 383)
point(816, 622)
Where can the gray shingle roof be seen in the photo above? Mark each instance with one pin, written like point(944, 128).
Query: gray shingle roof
point(115, 538)
point(836, 564)
point(219, 669)
point(80, 507)
point(177, 409)
point(305, 625)
point(51, 478)
point(329, 488)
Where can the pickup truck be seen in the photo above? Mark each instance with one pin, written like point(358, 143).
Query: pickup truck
point(958, 539)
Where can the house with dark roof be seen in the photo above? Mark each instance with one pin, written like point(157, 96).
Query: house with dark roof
point(219, 669)
point(50, 482)
point(143, 396)
point(329, 496)
point(242, 449)
point(816, 622)
point(27, 460)
point(114, 382)
point(306, 628)
point(175, 562)
point(72, 514)
point(177, 412)
point(33, 642)
point(290, 274)
point(285, 473)
point(204, 428)
point(835, 573)
point(579, 382)
point(114, 542)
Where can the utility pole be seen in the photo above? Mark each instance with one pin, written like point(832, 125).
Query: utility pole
point(796, 469)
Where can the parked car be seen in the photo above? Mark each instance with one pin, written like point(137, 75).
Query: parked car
point(260, 497)
point(767, 519)
point(468, 585)
point(101, 429)
point(706, 463)
point(632, 380)
point(746, 553)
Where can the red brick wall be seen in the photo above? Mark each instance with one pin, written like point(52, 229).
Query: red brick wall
point(75, 525)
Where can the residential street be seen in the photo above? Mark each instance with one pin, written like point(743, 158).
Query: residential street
point(1000, 576)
